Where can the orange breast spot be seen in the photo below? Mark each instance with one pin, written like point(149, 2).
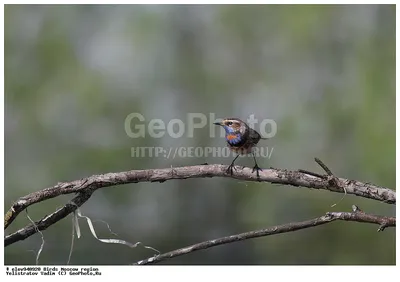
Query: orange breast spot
point(231, 136)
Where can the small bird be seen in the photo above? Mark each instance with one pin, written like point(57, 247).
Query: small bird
point(241, 139)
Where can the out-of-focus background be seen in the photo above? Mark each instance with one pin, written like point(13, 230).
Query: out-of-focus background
point(324, 74)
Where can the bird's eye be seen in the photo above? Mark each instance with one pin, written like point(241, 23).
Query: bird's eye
point(228, 123)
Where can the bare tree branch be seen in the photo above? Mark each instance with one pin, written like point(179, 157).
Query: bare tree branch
point(87, 186)
point(356, 215)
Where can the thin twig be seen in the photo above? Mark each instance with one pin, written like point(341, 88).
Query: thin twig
point(357, 216)
point(327, 170)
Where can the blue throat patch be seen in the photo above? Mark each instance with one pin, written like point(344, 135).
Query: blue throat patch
point(233, 138)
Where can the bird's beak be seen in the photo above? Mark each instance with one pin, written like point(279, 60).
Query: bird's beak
point(217, 123)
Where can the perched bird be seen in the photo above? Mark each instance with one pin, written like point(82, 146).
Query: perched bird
point(241, 139)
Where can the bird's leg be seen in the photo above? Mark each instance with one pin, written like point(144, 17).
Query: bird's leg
point(232, 166)
point(256, 167)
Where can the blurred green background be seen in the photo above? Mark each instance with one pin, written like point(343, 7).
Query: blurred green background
point(324, 73)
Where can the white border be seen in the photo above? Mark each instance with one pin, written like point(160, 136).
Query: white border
point(221, 273)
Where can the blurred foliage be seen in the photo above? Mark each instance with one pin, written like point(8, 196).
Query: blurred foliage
point(324, 73)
